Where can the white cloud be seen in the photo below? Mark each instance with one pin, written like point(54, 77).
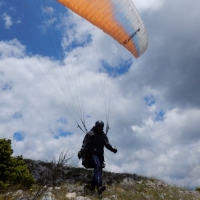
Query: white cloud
point(48, 10)
point(18, 21)
point(148, 5)
point(8, 20)
point(49, 20)
point(11, 48)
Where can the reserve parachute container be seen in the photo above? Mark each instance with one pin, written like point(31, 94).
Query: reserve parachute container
point(117, 18)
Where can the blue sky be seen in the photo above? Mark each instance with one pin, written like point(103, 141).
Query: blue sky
point(55, 66)
point(29, 22)
point(18, 136)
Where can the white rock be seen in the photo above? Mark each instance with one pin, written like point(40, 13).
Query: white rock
point(161, 184)
point(114, 197)
point(19, 192)
point(71, 195)
point(81, 198)
point(128, 181)
point(50, 189)
point(48, 196)
point(150, 184)
point(140, 182)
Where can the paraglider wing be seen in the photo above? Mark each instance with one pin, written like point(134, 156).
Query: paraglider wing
point(117, 18)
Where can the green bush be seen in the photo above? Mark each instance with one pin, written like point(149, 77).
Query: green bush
point(13, 170)
point(198, 189)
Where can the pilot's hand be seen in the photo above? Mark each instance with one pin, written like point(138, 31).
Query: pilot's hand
point(114, 150)
point(79, 155)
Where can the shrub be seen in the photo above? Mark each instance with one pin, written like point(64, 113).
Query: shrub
point(13, 170)
point(198, 189)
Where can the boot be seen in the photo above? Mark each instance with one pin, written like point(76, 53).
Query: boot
point(101, 189)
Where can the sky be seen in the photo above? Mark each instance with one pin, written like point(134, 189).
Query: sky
point(56, 67)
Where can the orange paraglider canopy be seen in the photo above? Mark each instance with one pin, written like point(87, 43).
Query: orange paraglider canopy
point(118, 18)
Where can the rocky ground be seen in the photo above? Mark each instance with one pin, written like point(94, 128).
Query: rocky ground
point(54, 183)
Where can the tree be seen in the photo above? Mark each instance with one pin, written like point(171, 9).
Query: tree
point(13, 170)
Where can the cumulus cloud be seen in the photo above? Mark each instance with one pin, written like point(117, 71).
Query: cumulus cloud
point(148, 5)
point(7, 20)
point(48, 10)
point(11, 48)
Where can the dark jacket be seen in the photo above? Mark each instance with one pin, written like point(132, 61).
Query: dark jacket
point(94, 143)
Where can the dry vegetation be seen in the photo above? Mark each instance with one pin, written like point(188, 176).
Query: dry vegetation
point(54, 180)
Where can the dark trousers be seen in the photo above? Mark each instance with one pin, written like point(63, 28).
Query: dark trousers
point(97, 178)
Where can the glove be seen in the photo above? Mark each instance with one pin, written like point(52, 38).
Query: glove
point(114, 150)
point(79, 155)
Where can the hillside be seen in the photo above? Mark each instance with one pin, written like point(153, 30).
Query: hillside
point(59, 182)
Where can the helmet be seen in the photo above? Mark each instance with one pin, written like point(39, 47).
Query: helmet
point(99, 123)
